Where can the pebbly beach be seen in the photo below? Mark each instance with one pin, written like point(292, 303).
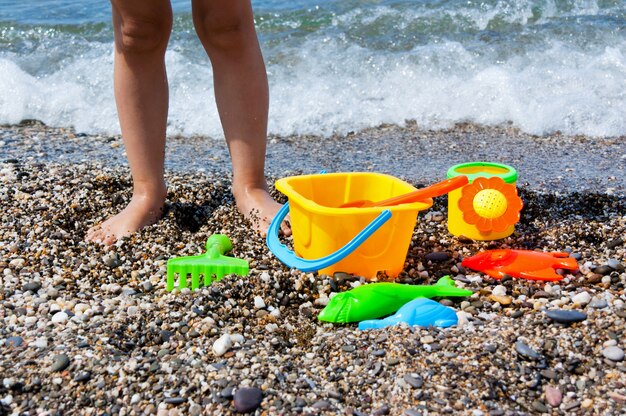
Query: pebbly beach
point(88, 329)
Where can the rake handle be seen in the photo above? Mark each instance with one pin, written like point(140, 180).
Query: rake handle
point(218, 245)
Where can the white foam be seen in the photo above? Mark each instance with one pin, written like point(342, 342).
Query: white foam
point(325, 82)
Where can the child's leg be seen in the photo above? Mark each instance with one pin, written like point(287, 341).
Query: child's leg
point(226, 30)
point(142, 29)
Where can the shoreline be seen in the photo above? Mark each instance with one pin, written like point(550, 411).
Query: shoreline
point(89, 329)
point(555, 162)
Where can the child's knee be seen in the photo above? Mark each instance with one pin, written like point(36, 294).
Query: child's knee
point(222, 34)
point(142, 36)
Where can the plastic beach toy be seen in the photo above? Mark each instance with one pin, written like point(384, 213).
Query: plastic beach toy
point(488, 207)
point(375, 300)
point(420, 311)
point(359, 241)
point(490, 204)
point(527, 264)
point(430, 191)
point(212, 265)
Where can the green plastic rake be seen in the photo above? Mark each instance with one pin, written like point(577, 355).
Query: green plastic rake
point(212, 265)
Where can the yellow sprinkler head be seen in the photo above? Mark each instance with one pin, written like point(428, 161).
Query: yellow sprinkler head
point(490, 203)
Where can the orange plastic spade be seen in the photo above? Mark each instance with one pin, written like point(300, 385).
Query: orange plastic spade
point(431, 191)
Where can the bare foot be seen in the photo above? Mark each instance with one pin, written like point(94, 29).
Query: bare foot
point(259, 208)
point(140, 212)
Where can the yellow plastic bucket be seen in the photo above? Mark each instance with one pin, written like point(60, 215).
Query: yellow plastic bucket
point(320, 227)
point(456, 224)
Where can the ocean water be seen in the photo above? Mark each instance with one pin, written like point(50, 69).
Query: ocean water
point(342, 65)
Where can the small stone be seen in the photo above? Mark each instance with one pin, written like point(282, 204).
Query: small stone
point(438, 256)
point(14, 341)
point(115, 289)
point(321, 405)
point(175, 400)
point(259, 303)
point(613, 353)
point(502, 300)
point(554, 397)
point(222, 344)
point(379, 353)
point(247, 399)
point(499, 290)
point(571, 405)
point(415, 382)
point(393, 361)
point(566, 316)
point(525, 351)
point(549, 374)
point(619, 398)
point(581, 298)
point(383, 410)
point(32, 286)
point(227, 392)
point(540, 407)
point(112, 260)
point(82, 376)
point(428, 339)
point(603, 270)
point(60, 318)
point(615, 264)
point(60, 362)
point(541, 294)
point(598, 303)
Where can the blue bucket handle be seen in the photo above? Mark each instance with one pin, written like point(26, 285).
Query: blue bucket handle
point(288, 257)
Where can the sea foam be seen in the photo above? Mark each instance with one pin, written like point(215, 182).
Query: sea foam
point(334, 71)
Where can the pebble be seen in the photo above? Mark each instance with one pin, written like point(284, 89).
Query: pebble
point(428, 339)
point(554, 397)
point(60, 318)
point(566, 316)
point(82, 376)
point(247, 399)
point(112, 260)
point(259, 303)
point(502, 300)
point(175, 400)
point(383, 410)
point(613, 353)
point(438, 256)
point(598, 303)
point(222, 344)
point(614, 243)
point(581, 298)
point(32, 286)
point(540, 407)
point(525, 351)
point(14, 341)
point(413, 381)
point(603, 270)
point(499, 290)
point(321, 405)
point(60, 362)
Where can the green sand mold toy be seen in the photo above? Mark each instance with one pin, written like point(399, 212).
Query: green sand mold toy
point(375, 300)
point(212, 265)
